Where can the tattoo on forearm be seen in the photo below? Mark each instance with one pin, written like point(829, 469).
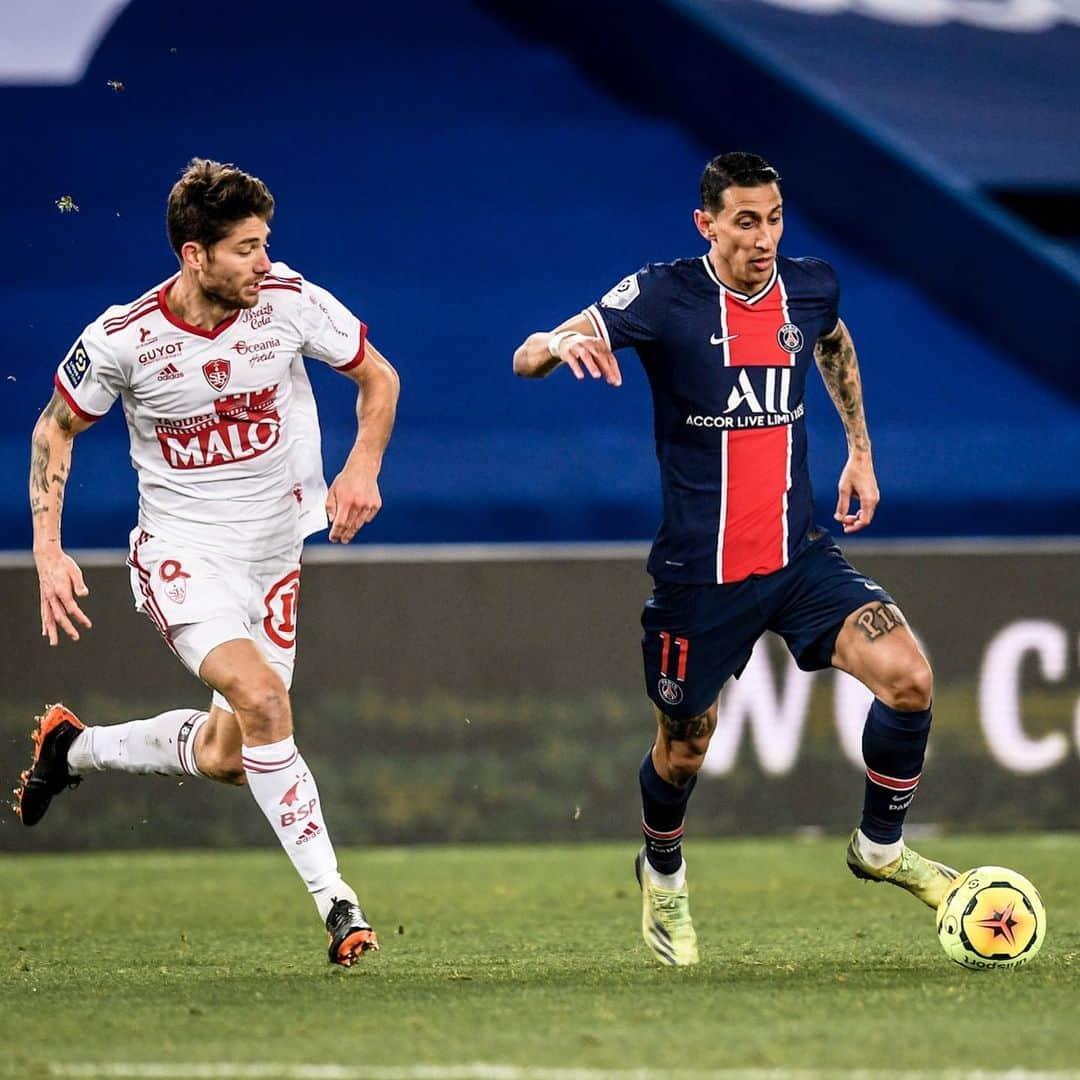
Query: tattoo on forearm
point(680, 729)
point(878, 620)
point(39, 465)
point(839, 369)
point(48, 479)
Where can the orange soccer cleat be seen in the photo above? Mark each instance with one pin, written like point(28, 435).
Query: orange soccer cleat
point(350, 933)
point(48, 774)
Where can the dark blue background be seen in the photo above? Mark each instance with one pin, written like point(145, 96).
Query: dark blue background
point(460, 186)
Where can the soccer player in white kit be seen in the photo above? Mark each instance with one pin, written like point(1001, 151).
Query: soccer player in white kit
point(225, 441)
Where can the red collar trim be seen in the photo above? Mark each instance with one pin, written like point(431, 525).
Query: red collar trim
point(187, 327)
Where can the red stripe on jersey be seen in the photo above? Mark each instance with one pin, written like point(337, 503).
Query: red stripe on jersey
point(134, 317)
point(359, 357)
point(757, 471)
point(264, 285)
point(75, 408)
point(151, 299)
point(754, 539)
point(753, 329)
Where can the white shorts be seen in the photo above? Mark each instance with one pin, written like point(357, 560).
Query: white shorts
point(199, 601)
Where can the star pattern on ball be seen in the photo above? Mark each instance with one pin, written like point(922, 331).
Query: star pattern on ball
point(1002, 923)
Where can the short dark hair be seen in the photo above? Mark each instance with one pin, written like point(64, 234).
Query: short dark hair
point(736, 169)
point(209, 199)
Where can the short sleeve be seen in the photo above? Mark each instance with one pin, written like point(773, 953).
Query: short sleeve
point(88, 378)
point(332, 333)
point(633, 312)
point(829, 288)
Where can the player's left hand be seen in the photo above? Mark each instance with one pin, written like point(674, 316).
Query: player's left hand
point(352, 501)
point(857, 481)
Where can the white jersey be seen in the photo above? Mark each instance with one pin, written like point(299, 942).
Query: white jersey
point(224, 432)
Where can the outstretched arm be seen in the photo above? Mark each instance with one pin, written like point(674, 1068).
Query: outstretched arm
point(59, 578)
point(839, 367)
point(354, 497)
point(574, 343)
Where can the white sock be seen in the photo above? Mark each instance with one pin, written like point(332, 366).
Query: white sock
point(162, 744)
point(282, 785)
point(666, 881)
point(878, 855)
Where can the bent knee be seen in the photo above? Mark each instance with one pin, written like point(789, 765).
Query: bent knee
point(911, 687)
point(258, 701)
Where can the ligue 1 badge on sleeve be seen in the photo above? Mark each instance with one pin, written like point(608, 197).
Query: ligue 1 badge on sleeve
point(623, 295)
point(789, 337)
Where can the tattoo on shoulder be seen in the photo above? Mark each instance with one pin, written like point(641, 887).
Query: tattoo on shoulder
point(60, 412)
point(878, 620)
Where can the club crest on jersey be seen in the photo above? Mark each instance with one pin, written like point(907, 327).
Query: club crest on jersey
point(789, 337)
point(670, 691)
point(217, 373)
point(175, 578)
point(77, 364)
point(623, 295)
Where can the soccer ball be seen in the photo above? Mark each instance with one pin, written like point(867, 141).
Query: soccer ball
point(991, 917)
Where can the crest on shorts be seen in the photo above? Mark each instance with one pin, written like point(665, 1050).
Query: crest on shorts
point(789, 337)
point(670, 691)
point(217, 373)
point(175, 578)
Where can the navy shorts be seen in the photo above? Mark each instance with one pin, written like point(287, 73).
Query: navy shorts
point(697, 636)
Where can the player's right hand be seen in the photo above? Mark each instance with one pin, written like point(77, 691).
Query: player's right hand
point(592, 355)
point(60, 581)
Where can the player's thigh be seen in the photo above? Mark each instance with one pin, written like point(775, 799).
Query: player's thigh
point(877, 647)
point(810, 601)
point(194, 600)
point(694, 638)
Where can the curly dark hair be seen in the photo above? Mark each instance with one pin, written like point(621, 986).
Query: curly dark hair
point(209, 199)
point(736, 169)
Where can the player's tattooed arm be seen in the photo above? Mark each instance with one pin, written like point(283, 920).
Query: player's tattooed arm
point(50, 464)
point(59, 576)
point(839, 367)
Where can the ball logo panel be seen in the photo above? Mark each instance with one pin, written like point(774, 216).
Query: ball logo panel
point(992, 917)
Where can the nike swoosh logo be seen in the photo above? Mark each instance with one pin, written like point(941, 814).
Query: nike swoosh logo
point(871, 586)
point(714, 340)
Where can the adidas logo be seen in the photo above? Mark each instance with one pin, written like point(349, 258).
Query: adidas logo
point(311, 830)
point(169, 371)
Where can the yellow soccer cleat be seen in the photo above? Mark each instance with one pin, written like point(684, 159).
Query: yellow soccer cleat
point(925, 879)
point(666, 925)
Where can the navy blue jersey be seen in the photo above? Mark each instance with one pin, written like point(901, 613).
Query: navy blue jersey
point(728, 375)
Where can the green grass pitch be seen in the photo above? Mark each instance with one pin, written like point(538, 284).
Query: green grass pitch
point(524, 957)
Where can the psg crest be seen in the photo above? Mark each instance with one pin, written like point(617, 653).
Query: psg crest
point(217, 373)
point(790, 338)
point(670, 691)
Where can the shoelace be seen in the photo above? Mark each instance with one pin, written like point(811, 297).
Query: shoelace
point(674, 905)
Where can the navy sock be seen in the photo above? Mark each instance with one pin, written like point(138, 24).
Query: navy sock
point(893, 746)
point(663, 808)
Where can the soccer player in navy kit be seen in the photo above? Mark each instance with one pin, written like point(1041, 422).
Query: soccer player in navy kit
point(726, 340)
